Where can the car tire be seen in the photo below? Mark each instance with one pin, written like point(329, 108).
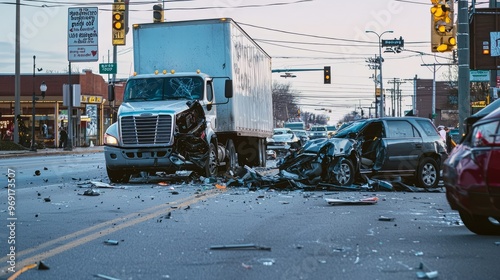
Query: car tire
point(427, 174)
point(211, 166)
point(345, 174)
point(480, 225)
point(118, 176)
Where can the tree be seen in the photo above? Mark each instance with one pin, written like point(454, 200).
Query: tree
point(284, 104)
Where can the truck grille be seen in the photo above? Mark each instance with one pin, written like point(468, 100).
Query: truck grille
point(150, 130)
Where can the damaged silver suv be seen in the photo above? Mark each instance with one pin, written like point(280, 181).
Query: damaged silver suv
point(409, 147)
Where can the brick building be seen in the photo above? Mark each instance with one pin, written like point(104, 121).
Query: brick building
point(446, 102)
point(90, 118)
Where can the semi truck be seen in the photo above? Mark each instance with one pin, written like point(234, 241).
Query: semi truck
point(200, 99)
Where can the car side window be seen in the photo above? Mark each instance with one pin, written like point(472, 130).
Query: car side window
point(485, 134)
point(400, 129)
point(427, 127)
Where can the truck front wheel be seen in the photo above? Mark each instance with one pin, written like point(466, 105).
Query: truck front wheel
point(118, 176)
point(232, 158)
point(211, 166)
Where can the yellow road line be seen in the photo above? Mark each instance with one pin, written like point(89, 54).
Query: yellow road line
point(116, 225)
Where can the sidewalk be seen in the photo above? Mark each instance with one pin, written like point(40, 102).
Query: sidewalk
point(51, 151)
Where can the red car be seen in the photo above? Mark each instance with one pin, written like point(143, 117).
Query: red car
point(471, 176)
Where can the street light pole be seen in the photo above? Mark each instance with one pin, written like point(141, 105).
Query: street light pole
point(33, 102)
point(43, 89)
point(380, 61)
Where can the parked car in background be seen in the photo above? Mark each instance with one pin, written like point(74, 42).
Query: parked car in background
point(409, 147)
point(471, 176)
point(318, 131)
point(303, 136)
point(331, 129)
point(283, 140)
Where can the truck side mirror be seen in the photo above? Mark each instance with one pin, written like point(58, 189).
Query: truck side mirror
point(228, 89)
point(111, 92)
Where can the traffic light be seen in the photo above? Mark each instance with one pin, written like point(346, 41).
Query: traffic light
point(158, 13)
point(443, 31)
point(118, 23)
point(326, 75)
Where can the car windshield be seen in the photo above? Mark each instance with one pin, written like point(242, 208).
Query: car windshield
point(282, 131)
point(300, 133)
point(318, 128)
point(163, 88)
point(353, 128)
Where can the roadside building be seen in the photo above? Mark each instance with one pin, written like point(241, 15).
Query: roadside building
point(89, 119)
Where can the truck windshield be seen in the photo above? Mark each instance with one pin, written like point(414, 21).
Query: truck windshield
point(163, 88)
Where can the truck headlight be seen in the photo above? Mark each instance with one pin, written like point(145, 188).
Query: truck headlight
point(110, 140)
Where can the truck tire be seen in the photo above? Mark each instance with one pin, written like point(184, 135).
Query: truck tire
point(117, 176)
point(232, 157)
point(427, 174)
point(211, 166)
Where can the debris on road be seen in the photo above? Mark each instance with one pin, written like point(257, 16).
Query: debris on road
point(363, 201)
point(91, 192)
point(102, 276)
point(42, 266)
point(385, 219)
point(46, 199)
point(37, 173)
point(426, 273)
point(111, 242)
point(239, 247)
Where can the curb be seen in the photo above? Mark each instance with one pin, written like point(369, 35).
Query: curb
point(49, 152)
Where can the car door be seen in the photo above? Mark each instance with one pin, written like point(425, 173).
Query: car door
point(403, 146)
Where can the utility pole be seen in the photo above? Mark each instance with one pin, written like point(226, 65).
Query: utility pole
point(373, 64)
point(396, 97)
point(493, 73)
point(463, 63)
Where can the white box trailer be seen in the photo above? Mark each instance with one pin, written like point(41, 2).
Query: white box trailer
point(194, 60)
point(219, 48)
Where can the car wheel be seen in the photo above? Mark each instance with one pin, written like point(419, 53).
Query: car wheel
point(118, 176)
point(479, 224)
point(345, 173)
point(427, 174)
point(211, 166)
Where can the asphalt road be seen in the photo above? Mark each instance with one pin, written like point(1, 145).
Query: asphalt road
point(167, 230)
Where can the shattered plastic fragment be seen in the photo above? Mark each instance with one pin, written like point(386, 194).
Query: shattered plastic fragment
point(239, 247)
point(247, 266)
point(363, 201)
point(91, 192)
point(101, 185)
point(267, 261)
point(427, 275)
point(42, 266)
point(102, 276)
point(220, 186)
point(111, 242)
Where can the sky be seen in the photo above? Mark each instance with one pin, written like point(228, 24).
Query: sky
point(297, 34)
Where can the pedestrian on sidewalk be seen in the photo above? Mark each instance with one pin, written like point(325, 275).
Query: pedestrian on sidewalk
point(63, 138)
